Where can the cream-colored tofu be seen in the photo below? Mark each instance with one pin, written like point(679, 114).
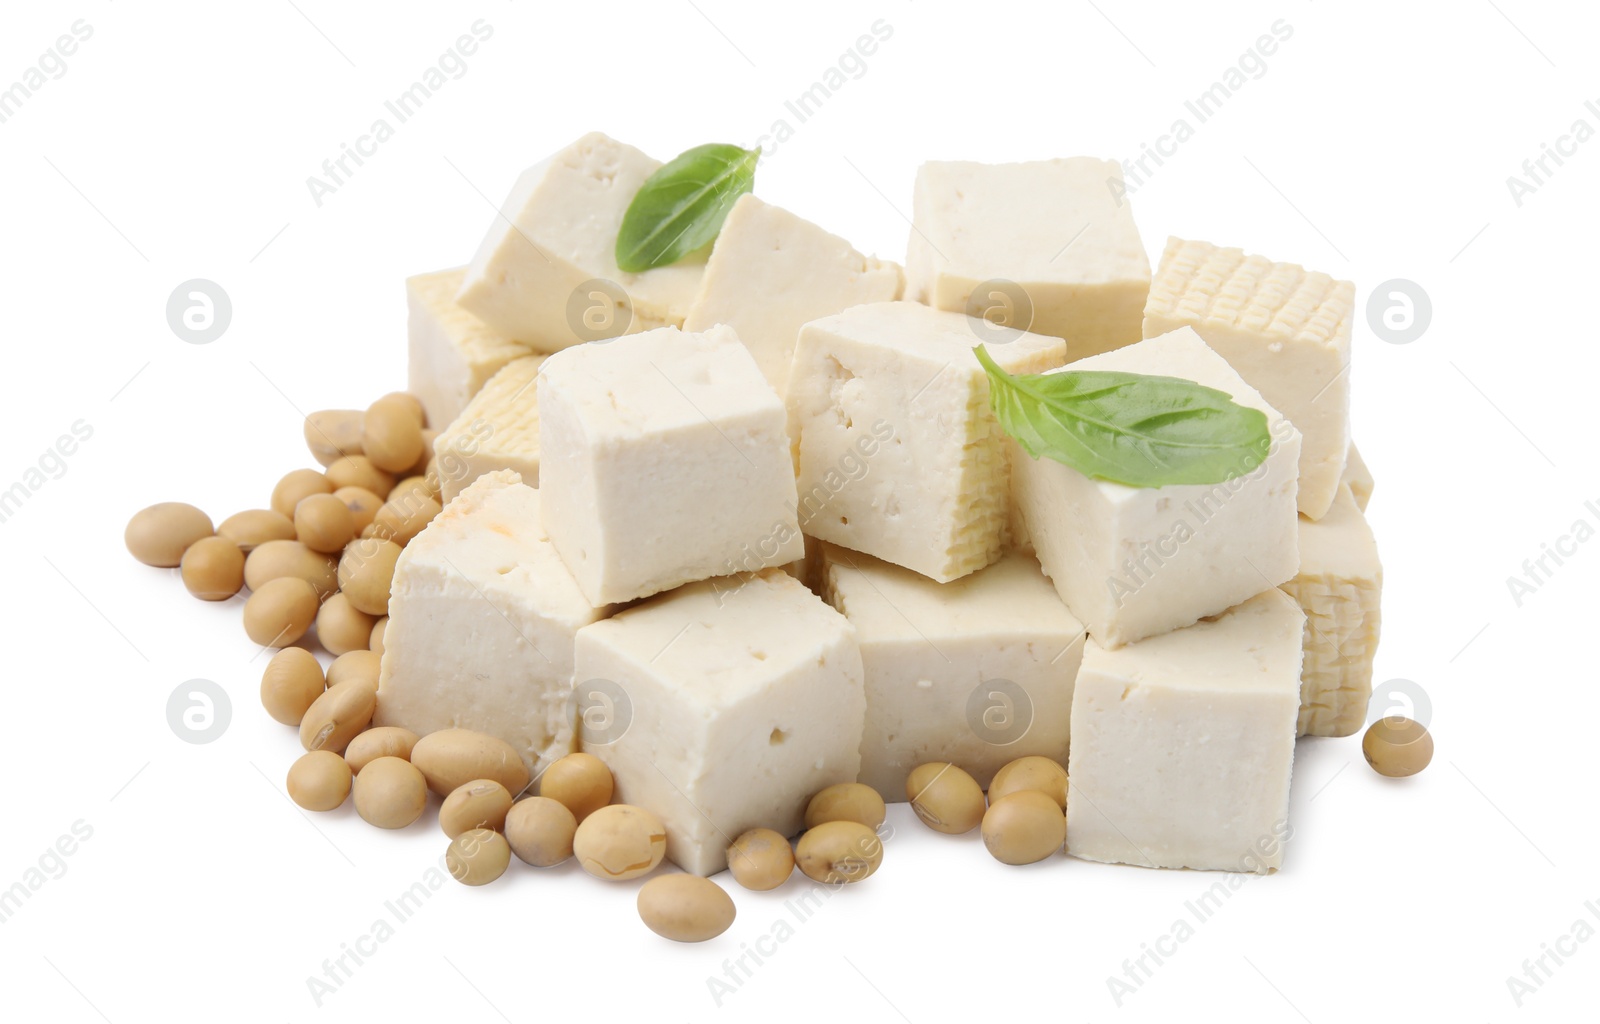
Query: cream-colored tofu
point(977, 672)
point(1285, 329)
point(1133, 562)
point(1358, 477)
point(546, 273)
point(899, 453)
point(1059, 252)
point(1339, 587)
point(771, 272)
point(731, 702)
point(499, 429)
point(482, 617)
point(452, 353)
point(664, 461)
point(1183, 744)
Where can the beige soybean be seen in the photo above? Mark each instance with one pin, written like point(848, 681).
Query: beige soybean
point(581, 782)
point(1397, 747)
point(477, 856)
point(619, 842)
point(407, 400)
point(254, 527)
point(280, 612)
point(685, 908)
point(213, 568)
point(1033, 772)
point(338, 716)
point(482, 803)
point(761, 859)
point(292, 682)
point(359, 664)
point(946, 798)
point(297, 485)
point(160, 534)
point(1024, 827)
point(362, 503)
point(402, 518)
point(276, 559)
point(358, 471)
point(413, 488)
point(323, 523)
point(366, 572)
point(331, 434)
point(540, 831)
point(341, 628)
point(319, 780)
point(450, 758)
point(390, 793)
point(375, 638)
point(846, 801)
point(839, 851)
point(383, 741)
point(425, 463)
point(391, 434)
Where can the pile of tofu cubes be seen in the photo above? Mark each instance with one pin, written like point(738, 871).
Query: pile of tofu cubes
point(746, 526)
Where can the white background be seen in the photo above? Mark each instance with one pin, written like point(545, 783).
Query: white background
point(1377, 145)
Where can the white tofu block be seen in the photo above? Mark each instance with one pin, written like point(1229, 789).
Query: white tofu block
point(1063, 248)
point(1358, 477)
point(499, 429)
point(1286, 330)
point(1339, 587)
point(452, 353)
point(664, 461)
point(1183, 744)
point(770, 272)
point(546, 273)
point(734, 701)
point(977, 672)
point(482, 616)
point(1133, 562)
point(900, 455)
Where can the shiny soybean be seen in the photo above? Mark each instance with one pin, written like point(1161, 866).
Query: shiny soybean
point(761, 859)
point(685, 908)
point(619, 842)
point(297, 485)
point(339, 715)
point(213, 568)
point(482, 803)
point(280, 612)
point(383, 741)
point(292, 682)
point(946, 798)
point(847, 801)
point(319, 780)
point(540, 831)
point(342, 628)
point(254, 527)
point(581, 782)
point(160, 534)
point(390, 793)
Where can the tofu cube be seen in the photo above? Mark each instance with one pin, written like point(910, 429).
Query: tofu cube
point(499, 429)
point(1286, 330)
point(482, 620)
point(1339, 587)
point(1357, 477)
point(734, 701)
point(1054, 240)
point(900, 455)
point(452, 353)
point(546, 273)
point(977, 672)
point(664, 462)
point(1183, 744)
point(770, 272)
point(1133, 562)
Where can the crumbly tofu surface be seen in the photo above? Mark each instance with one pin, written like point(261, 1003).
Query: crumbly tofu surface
point(1284, 328)
point(498, 429)
point(451, 353)
point(1358, 478)
point(1183, 744)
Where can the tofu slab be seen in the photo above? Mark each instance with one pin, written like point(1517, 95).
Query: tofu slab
point(452, 353)
point(498, 429)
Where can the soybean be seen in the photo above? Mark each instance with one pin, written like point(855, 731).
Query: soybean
point(402, 518)
point(357, 664)
point(275, 559)
point(1024, 827)
point(338, 716)
point(761, 859)
point(390, 793)
point(619, 842)
point(1033, 772)
point(482, 803)
point(319, 780)
point(375, 638)
point(160, 534)
point(323, 523)
point(358, 471)
point(366, 572)
point(540, 831)
point(392, 434)
point(582, 782)
point(685, 908)
point(331, 434)
point(383, 741)
point(1397, 747)
point(946, 798)
point(213, 568)
point(280, 612)
point(477, 856)
point(452, 757)
point(341, 627)
point(298, 484)
point(839, 851)
point(291, 683)
point(362, 503)
point(254, 527)
point(846, 801)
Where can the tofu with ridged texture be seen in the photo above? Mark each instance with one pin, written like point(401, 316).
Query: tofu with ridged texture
point(546, 273)
point(482, 620)
point(723, 706)
point(452, 353)
point(1339, 587)
point(498, 429)
point(1284, 328)
point(899, 454)
point(1183, 744)
point(1055, 246)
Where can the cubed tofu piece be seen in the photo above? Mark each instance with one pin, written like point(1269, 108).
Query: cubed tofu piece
point(1358, 477)
point(664, 461)
point(1285, 329)
point(482, 619)
point(734, 700)
point(977, 672)
point(1339, 588)
point(499, 429)
point(452, 353)
point(546, 273)
point(1051, 238)
point(900, 455)
point(771, 272)
point(1133, 562)
point(1182, 744)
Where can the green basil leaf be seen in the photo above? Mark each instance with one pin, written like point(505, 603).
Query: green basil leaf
point(682, 205)
point(1129, 428)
